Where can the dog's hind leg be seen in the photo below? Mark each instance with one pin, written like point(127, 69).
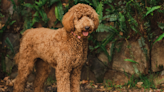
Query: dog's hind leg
point(25, 66)
point(42, 72)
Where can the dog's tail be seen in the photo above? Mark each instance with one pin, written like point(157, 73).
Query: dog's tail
point(16, 58)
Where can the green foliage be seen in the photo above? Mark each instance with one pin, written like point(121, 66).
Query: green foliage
point(146, 79)
point(132, 82)
point(161, 25)
point(130, 60)
point(126, 16)
point(99, 11)
point(50, 80)
point(7, 41)
point(1, 15)
point(40, 14)
point(59, 11)
point(159, 38)
point(8, 23)
point(150, 10)
point(109, 84)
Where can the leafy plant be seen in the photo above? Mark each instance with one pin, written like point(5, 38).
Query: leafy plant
point(7, 41)
point(50, 80)
point(159, 38)
point(8, 23)
point(40, 14)
point(161, 25)
point(39, 11)
point(150, 10)
point(59, 11)
point(147, 81)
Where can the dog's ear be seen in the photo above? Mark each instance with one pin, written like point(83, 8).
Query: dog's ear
point(68, 21)
point(96, 20)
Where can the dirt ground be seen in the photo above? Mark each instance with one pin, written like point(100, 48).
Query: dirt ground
point(7, 86)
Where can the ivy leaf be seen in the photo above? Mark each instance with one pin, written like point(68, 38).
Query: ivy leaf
point(130, 60)
point(159, 38)
point(52, 2)
point(59, 12)
point(103, 28)
point(12, 22)
point(75, 1)
point(113, 17)
point(105, 51)
point(34, 20)
point(43, 15)
point(36, 14)
point(161, 25)
point(95, 3)
point(8, 42)
point(99, 11)
point(152, 9)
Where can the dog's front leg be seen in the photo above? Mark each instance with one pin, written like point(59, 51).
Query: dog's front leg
point(63, 80)
point(75, 79)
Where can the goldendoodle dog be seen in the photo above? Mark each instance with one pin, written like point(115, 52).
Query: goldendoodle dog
point(64, 49)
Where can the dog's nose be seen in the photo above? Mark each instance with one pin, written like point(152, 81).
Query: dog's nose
point(87, 27)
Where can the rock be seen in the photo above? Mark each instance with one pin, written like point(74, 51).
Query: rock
point(103, 58)
point(157, 56)
point(162, 73)
point(96, 67)
point(116, 77)
point(86, 74)
point(128, 50)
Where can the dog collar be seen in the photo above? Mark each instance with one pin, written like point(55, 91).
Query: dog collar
point(76, 35)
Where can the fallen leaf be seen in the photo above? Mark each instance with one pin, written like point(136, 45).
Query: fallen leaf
point(109, 88)
point(128, 86)
point(1, 86)
point(96, 86)
point(101, 86)
point(83, 82)
point(121, 33)
point(6, 78)
point(5, 87)
point(139, 84)
point(2, 89)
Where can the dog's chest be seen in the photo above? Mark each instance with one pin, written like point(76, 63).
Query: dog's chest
point(78, 52)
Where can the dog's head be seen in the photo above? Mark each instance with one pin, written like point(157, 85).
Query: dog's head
point(81, 20)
